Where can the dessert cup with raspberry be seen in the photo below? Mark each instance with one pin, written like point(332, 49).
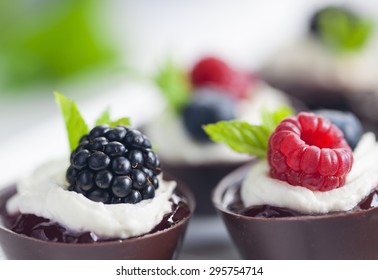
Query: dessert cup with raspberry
point(108, 201)
point(333, 65)
point(312, 197)
point(210, 91)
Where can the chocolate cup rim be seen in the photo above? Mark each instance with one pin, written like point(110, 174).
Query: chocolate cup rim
point(185, 191)
point(239, 173)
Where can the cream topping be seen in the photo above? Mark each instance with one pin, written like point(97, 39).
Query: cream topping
point(259, 188)
point(308, 61)
point(44, 194)
point(175, 145)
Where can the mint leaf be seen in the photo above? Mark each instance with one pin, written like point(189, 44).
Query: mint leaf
point(247, 138)
point(121, 121)
point(271, 119)
point(75, 124)
point(240, 136)
point(343, 30)
point(174, 84)
point(104, 118)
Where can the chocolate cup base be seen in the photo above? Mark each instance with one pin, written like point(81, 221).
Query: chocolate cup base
point(164, 244)
point(348, 235)
point(201, 179)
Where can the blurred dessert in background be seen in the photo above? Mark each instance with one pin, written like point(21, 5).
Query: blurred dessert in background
point(208, 92)
point(334, 65)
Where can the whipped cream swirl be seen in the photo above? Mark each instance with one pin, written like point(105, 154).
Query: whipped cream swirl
point(259, 188)
point(44, 194)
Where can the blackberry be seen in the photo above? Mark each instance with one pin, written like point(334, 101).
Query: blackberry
point(114, 165)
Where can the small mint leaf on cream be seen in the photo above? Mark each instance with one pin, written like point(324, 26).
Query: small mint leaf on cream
point(121, 121)
point(344, 30)
point(104, 118)
point(75, 124)
point(243, 137)
point(173, 82)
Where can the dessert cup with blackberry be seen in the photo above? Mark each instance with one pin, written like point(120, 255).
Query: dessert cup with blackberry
point(108, 201)
point(209, 91)
point(313, 195)
point(333, 65)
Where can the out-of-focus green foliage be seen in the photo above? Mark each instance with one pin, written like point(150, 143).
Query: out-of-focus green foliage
point(44, 41)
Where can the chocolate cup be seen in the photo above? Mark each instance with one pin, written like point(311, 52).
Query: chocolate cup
point(164, 244)
point(347, 235)
point(201, 179)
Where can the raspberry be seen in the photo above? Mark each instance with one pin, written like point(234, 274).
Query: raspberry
point(309, 151)
point(211, 71)
point(114, 165)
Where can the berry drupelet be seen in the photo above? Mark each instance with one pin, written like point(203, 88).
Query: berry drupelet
point(114, 165)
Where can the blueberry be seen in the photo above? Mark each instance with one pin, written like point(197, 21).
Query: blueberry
point(333, 12)
point(115, 149)
point(139, 179)
point(116, 133)
point(135, 158)
point(206, 107)
point(121, 186)
point(121, 165)
point(103, 179)
point(80, 159)
point(98, 161)
point(133, 197)
point(98, 131)
point(347, 122)
point(148, 192)
point(85, 180)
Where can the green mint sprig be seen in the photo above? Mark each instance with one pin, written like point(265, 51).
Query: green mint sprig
point(343, 30)
point(173, 82)
point(76, 126)
point(243, 137)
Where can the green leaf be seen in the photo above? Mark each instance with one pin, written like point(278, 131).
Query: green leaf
point(75, 124)
point(174, 83)
point(246, 138)
point(343, 30)
point(121, 121)
point(104, 118)
point(271, 119)
point(240, 136)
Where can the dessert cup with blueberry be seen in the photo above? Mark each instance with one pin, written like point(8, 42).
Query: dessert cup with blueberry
point(333, 65)
point(312, 194)
point(209, 91)
point(108, 200)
